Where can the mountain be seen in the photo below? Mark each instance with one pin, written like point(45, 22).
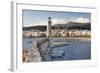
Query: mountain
point(40, 28)
point(69, 25)
point(72, 25)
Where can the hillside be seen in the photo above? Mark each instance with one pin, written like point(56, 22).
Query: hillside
point(69, 25)
point(73, 25)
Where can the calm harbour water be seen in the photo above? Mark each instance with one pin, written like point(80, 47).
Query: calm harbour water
point(74, 50)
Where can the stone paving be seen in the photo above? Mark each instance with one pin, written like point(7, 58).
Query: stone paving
point(34, 54)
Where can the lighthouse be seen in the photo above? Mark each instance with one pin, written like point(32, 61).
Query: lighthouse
point(49, 27)
point(49, 34)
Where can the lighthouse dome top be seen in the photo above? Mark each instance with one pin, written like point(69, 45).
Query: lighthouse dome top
point(49, 17)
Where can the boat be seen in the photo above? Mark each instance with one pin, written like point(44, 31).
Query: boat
point(57, 54)
point(29, 42)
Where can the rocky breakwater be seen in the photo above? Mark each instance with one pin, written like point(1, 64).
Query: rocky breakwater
point(31, 54)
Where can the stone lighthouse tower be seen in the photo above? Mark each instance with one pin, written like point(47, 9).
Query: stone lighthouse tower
point(49, 27)
point(49, 33)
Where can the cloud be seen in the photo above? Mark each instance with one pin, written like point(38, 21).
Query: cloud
point(64, 21)
point(81, 20)
point(27, 25)
point(54, 21)
point(61, 21)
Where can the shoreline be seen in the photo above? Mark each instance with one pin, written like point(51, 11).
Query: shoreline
point(64, 39)
point(72, 39)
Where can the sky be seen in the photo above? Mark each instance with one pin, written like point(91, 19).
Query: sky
point(33, 17)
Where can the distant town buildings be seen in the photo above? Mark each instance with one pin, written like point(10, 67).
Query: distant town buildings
point(34, 34)
point(59, 33)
